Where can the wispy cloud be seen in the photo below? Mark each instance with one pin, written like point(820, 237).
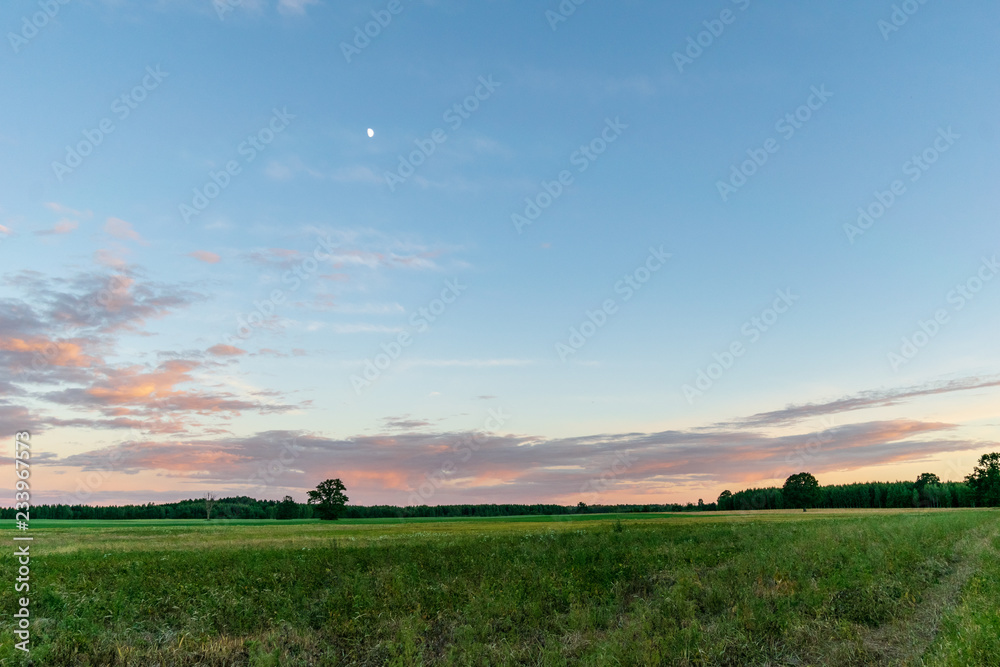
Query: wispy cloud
point(356, 249)
point(278, 171)
point(356, 174)
point(404, 423)
point(366, 308)
point(468, 363)
point(221, 350)
point(64, 226)
point(363, 328)
point(66, 210)
point(596, 86)
point(879, 398)
point(295, 6)
point(120, 229)
point(205, 256)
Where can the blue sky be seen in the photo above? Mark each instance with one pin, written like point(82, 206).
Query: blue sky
point(156, 391)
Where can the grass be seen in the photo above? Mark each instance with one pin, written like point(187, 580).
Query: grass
point(711, 589)
point(970, 632)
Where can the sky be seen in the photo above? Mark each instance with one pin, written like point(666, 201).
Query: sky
point(494, 252)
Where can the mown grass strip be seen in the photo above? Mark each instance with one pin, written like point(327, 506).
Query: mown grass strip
point(970, 632)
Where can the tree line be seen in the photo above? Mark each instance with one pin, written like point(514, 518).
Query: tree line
point(865, 495)
point(981, 488)
point(243, 507)
point(240, 507)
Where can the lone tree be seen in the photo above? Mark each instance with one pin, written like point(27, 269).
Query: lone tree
point(209, 504)
point(287, 509)
point(801, 490)
point(329, 499)
point(985, 480)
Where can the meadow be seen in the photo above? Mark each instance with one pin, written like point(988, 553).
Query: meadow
point(849, 587)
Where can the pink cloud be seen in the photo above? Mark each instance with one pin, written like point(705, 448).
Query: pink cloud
point(205, 256)
point(64, 226)
point(121, 229)
point(458, 467)
point(69, 368)
point(222, 350)
point(55, 353)
point(66, 210)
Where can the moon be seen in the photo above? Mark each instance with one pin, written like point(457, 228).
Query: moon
point(371, 132)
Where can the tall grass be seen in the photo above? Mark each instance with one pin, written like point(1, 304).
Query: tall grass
point(800, 591)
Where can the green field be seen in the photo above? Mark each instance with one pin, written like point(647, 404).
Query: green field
point(763, 588)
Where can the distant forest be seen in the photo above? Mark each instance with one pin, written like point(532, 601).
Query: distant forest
point(863, 495)
point(866, 495)
point(249, 508)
